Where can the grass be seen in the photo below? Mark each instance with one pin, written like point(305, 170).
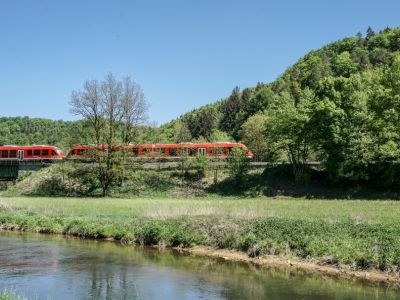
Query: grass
point(358, 234)
point(6, 295)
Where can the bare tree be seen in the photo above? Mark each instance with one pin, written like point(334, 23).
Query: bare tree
point(134, 110)
point(88, 104)
point(113, 110)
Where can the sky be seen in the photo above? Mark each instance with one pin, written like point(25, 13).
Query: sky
point(183, 53)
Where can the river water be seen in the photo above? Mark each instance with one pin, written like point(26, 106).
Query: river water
point(54, 267)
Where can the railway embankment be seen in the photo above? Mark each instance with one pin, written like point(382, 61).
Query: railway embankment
point(354, 237)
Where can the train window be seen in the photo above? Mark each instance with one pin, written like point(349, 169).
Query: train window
point(29, 152)
point(4, 153)
point(161, 151)
point(53, 153)
point(135, 152)
point(202, 151)
point(36, 152)
point(183, 152)
point(13, 153)
point(80, 151)
point(173, 152)
point(217, 151)
point(45, 152)
point(192, 151)
point(145, 151)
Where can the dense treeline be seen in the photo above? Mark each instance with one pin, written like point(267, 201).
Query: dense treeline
point(64, 134)
point(338, 105)
point(25, 130)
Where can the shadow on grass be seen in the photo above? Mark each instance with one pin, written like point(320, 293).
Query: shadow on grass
point(279, 181)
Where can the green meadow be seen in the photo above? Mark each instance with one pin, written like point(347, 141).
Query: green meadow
point(356, 234)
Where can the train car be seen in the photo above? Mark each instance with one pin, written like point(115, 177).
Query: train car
point(88, 152)
point(185, 150)
point(30, 153)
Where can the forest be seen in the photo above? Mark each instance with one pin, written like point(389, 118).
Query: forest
point(338, 105)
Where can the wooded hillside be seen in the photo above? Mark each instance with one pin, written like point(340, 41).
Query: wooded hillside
point(338, 105)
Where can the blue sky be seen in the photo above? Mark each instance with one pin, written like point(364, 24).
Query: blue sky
point(183, 53)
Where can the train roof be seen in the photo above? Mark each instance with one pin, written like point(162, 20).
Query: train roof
point(28, 146)
point(168, 145)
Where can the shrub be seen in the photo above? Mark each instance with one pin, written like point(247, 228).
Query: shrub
point(238, 164)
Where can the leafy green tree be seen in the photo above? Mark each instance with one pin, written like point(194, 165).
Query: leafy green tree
point(238, 165)
point(219, 136)
point(342, 127)
point(288, 130)
point(344, 65)
point(253, 136)
point(361, 57)
point(184, 134)
point(202, 122)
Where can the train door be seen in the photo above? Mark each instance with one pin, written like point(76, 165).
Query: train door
point(202, 151)
point(20, 155)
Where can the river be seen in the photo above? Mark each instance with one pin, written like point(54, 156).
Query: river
point(54, 267)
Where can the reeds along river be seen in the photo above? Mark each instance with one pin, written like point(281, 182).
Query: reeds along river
point(54, 267)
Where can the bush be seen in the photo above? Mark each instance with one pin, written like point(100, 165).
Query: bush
point(238, 165)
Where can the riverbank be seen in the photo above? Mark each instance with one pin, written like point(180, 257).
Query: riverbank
point(352, 237)
point(311, 266)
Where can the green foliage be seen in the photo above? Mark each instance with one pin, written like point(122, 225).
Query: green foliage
point(10, 295)
point(28, 131)
point(357, 234)
point(238, 165)
point(232, 110)
point(253, 136)
point(288, 129)
point(219, 136)
point(344, 65)
point(67, 179)
point(202, 122)
point(200, 163)
point(339, 105)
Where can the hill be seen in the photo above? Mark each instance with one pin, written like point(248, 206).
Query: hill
point(339, 105)
point(25, 131)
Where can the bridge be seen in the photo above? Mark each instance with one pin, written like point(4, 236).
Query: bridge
point(9, 170)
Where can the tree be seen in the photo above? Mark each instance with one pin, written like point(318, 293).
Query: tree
point(202, 122)
point(287, 129)
point(88, 104)
point(342, 127)
point(253, 136)
point(370, 33)
point(344, 65)
point(112, 108)
point(238, 165)
point(183, 133)
point(134, 110)
point(230, 109)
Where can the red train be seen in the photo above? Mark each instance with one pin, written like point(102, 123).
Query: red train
point(52, 153)
point(165, 150)
point(34, 153)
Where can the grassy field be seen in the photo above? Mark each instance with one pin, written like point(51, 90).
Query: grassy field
point(356, 233)
point(5, 295)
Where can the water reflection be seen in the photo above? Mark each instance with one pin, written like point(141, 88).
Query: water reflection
point(46, 267)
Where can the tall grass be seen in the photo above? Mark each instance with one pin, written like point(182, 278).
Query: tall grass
point(10, 295)
point(358, 234)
